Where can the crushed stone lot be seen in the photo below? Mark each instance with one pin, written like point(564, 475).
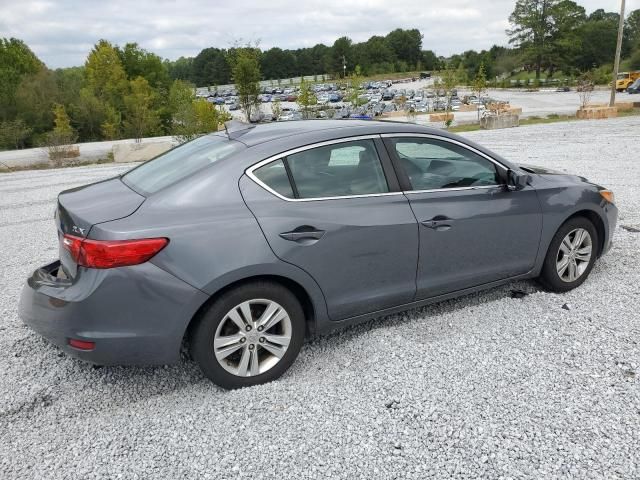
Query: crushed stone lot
point(485, 386)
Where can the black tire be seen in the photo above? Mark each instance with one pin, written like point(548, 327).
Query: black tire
point(549, 276)
point(202, 335)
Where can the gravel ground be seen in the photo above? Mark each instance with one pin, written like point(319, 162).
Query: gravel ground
point(486, 386)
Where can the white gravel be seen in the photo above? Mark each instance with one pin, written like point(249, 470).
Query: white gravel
point(486, 386)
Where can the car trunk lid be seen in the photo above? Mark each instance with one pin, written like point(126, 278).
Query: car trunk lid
point(81, 208)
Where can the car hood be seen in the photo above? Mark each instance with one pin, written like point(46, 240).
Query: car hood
point(556, 175)
point(540, 170)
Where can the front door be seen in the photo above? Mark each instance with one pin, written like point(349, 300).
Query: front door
point(331, 210)
point(473, 230)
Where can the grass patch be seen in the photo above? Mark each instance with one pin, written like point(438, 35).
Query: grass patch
point(535, 120)
point(467, 127)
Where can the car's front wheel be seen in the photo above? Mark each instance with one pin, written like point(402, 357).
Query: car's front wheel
point(250, 335)
point(571, 255)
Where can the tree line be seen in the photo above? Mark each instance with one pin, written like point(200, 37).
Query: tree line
point(120, 92)
point(129, 92)
point(398, 51)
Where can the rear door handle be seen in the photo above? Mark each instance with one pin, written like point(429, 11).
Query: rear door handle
point(299, 234)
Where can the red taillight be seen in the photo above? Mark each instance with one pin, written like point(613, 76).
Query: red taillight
point(112, 253)
point(82, 344)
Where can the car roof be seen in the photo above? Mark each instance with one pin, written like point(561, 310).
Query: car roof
point(343, 128)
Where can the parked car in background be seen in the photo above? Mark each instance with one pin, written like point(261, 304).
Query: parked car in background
point(634, 87)
point(245, 241)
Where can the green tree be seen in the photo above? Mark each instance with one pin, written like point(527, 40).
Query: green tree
point(246, 77)
point(138, 62)
point(111, 125)
point(276, 109)
point(34, 100)
point(341, 54)
point(565, 43)
point(306, 98)
point(180, 69)
point(14, 133)
point(105, 74)
point(632, 27)
point(531, 29)
point(141, 118)
point(598, 40)
point(210, 67)
point(16, 62)
point(88, 113)
point(480, 84)
point(634, 61)
point(406, 44)
point(70, 81)
point(60, 139)
point(449, 81)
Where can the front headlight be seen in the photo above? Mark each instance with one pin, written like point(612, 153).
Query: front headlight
point(608, 196)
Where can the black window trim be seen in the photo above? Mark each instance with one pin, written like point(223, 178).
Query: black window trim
point(386, 163)
point(403, 178)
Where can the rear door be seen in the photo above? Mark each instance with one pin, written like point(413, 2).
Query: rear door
point(473, 230)
point(335, 210)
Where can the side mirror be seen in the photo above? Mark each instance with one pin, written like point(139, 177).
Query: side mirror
point(517, 181)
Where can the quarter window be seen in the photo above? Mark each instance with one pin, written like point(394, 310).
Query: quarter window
point(274, 175)
point(336, 170)
point(433, 164)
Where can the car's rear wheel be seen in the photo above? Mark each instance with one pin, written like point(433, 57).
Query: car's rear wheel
point(250, 335)
point(571, 255)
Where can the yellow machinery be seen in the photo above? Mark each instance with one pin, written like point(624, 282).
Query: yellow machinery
point(625, 79)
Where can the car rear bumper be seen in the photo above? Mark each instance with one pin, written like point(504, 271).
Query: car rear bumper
point(135, 315)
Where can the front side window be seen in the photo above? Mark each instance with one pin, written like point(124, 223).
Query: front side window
point(337, 170)
point(433, 164)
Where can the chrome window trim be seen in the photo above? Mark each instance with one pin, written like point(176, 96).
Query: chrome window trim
point(249, 171)
point(479, 187)
point(455, 142)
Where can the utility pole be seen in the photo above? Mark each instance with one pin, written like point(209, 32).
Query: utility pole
point(616, 63)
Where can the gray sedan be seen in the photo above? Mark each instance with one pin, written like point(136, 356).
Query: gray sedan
point(243, 242)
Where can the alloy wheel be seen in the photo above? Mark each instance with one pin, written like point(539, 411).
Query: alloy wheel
point(574, 255)
point(252, 337)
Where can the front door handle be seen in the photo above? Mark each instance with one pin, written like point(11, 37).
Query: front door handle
point(303, 233)
point(439, 223)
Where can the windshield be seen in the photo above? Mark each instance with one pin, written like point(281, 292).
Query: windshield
point(179, 163)
point(622, 76)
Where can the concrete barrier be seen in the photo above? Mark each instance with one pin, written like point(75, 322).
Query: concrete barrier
point(139, 152)
point(620, 106)
point(494, 122)
point(590, 113)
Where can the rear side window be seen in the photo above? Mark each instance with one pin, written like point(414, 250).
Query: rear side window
point(434, 164)
point(337, 170)
point(179, 163)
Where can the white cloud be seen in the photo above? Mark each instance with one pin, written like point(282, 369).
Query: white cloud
point(62, 32)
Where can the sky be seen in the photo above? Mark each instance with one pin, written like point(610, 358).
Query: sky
point(63, 32)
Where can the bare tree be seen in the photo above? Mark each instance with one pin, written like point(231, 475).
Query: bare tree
point(585, 88)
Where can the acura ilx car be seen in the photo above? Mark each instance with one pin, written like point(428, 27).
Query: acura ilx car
point(242, 243)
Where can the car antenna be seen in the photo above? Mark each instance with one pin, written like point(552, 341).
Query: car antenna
point(234, 128)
